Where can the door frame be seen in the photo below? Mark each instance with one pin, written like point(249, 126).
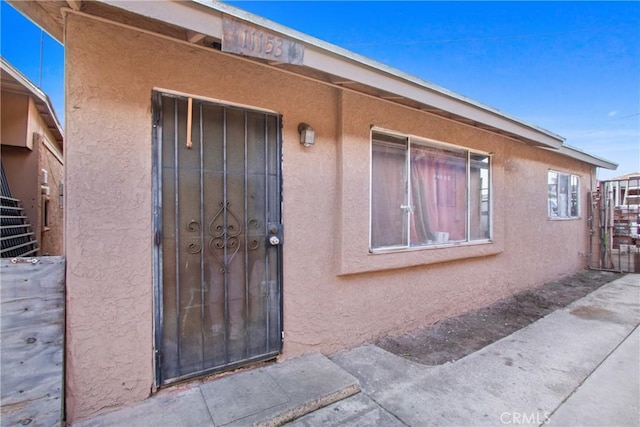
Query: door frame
point(158, 316)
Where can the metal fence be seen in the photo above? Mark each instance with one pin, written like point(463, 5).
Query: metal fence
point(615, 225)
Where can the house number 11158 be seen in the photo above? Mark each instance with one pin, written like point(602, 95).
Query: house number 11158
point(246, 39)
point(259, 42)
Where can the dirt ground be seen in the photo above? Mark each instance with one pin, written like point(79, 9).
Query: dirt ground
point(453, 338)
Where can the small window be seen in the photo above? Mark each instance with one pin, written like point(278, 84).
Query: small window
point(424, 193)
point(45, 213)
point(563, 199)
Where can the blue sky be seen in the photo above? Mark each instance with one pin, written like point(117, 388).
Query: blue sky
point(572, 68)
point(20, 44)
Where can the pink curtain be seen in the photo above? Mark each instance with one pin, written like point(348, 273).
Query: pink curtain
point(438, 191)
point(438, 194)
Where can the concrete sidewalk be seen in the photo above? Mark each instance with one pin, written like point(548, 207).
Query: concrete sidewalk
point(558, 369)
point(576, 366)
point(268, 396)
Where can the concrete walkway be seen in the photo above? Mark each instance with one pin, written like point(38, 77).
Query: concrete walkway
point(577, 366)
point(551, 370)
point(268, 396)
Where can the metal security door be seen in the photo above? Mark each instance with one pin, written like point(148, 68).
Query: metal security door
point(218, 237)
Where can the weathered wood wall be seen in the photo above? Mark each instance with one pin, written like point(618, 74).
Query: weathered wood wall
point(32, 340)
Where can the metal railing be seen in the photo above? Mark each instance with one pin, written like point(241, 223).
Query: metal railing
point(16, 237)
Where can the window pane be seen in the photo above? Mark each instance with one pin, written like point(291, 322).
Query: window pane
point(479, 198)
point(438, 195)
point(563, 195)
point(575, 185)
point(553, 194)
point(388, 192)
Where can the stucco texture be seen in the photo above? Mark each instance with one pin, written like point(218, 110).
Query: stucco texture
point(336, 294)
point(52, 234)
point(14, 116)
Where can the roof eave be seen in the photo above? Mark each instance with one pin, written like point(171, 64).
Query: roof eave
point(205, 17)
point(43, 103)
point(327, 57)
point(578, 154)
point(348, 66)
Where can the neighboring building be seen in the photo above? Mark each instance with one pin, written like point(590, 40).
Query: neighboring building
point(32, 169)
point(625, 189)
point(238, 191)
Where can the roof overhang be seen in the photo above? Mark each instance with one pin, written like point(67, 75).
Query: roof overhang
point(14, 81)
point(344, 68)
point(578, 154)
point(200, 22)
point(630, 176)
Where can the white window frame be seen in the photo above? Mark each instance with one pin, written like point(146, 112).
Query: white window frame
point(411, 140)
point(553, 214)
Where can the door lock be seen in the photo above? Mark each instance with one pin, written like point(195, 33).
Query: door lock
point(275, 235)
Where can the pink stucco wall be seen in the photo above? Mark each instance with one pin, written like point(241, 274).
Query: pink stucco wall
point(52, 235)
point(50, 158)
point(336, 294)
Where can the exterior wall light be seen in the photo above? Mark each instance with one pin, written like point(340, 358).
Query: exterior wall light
point(307, 135)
